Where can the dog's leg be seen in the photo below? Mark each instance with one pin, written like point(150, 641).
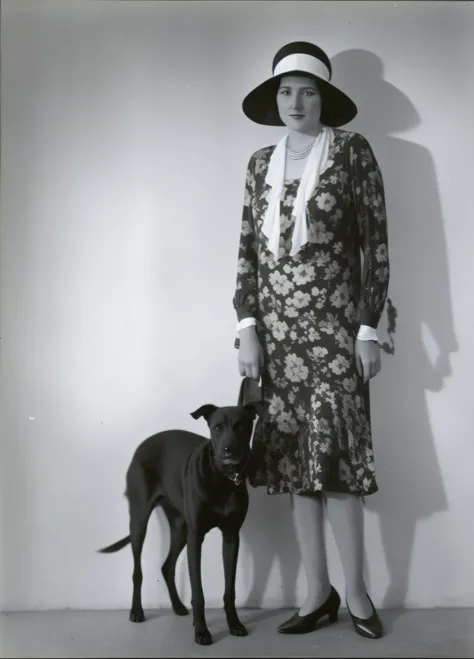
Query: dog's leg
point(140, 510)
point(138, 526)
point(230, 553)
point(178, 531)
point(202, 635)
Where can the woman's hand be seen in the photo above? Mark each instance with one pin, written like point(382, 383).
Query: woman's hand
point(367, 354)
point(250, 354)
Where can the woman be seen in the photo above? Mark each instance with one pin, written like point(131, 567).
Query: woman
point(308, 311)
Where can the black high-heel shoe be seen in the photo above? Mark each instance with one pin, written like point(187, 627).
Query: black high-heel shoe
point(304, 624)
point(367, 627)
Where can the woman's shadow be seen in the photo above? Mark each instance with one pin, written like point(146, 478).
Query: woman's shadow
point(409, 476)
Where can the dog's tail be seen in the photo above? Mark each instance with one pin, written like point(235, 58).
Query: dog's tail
point(117, 546)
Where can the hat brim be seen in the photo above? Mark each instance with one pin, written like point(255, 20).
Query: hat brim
point(260, 105)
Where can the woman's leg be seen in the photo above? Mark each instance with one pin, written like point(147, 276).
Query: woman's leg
point(309, 523)
point(346, 516)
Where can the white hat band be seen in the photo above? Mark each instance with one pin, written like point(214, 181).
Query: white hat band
point(302, 62)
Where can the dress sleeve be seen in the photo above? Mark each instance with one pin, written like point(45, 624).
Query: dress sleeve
point(369, 201)
point(245, 298)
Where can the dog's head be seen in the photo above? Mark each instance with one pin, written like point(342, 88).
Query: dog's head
point(231, 433)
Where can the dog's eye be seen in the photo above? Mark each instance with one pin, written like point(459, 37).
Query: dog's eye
point(218, 427)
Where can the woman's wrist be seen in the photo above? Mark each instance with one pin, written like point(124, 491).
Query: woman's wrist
point(247, 331)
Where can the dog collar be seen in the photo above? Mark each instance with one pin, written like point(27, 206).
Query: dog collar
point(239, 477)
point(236, 479)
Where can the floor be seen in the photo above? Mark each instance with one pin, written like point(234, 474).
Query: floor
point(409, 633)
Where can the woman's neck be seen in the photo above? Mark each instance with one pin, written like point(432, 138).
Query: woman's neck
point(298, 140)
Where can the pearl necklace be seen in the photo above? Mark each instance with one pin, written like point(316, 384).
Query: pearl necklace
point(299, 154)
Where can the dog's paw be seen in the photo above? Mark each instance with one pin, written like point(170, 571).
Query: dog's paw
point(137, 615)
point(238, 630)
point(203, 637)
point(180, 609)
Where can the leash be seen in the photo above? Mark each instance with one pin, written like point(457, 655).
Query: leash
point(249, 391)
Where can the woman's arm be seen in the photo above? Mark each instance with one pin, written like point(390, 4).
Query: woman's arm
point(250, 358)
point(369, 201)
point(245, 298)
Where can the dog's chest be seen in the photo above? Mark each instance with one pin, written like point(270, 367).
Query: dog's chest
point(229, 504)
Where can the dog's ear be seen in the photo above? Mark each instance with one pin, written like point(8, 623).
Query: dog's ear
point(254, 407)
point(205, 411)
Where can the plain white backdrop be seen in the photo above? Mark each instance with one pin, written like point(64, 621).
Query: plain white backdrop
point(124, 150)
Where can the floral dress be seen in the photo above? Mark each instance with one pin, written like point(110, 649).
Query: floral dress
point(315, 433)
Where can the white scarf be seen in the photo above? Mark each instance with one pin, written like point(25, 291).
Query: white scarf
point(315, 165)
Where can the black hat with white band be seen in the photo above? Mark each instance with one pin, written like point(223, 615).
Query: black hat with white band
point(303, 58)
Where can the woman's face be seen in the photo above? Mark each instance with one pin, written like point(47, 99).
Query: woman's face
point(299, 103)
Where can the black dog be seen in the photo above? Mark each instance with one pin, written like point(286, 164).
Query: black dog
point(200, 485)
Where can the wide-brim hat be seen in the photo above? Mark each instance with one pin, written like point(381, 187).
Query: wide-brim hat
point(300, 57)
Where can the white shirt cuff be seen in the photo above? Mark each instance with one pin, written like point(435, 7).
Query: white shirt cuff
point(367, 333)
point(246, 322)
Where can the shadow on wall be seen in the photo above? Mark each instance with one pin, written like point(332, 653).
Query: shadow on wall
point(409, 476)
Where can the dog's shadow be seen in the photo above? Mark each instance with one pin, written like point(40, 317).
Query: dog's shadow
point(248, 618)
point(269, 535)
